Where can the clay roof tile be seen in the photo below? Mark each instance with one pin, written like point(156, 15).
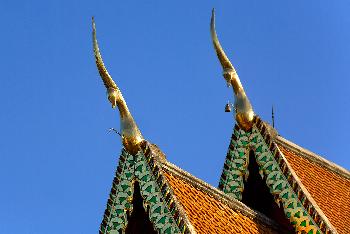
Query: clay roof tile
point(210, 210)
point(327, 183)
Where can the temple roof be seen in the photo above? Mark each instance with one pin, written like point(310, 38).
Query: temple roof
point(296, 189)
point(321, 186)
point(212, 211)
point(194, 206)
point(301, 181)
point(327, 183)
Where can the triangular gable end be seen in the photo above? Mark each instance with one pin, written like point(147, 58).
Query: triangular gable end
point(165, 213)
point(138, 220)
point(299, 208)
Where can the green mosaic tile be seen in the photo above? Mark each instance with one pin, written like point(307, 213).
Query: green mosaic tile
point(288, 214)
point(232, 180)
point(136, 167)
point(259, 149)
point(297, 214)
point(285, 195)
point(149, 189)
point(303, 223)
point(162, 220)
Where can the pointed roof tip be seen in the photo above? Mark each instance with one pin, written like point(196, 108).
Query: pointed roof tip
point(212, 24)
point(131, 135)
point(106, 77)
point(93, 24)
point(273, 117)
point(224, 61)
point(244, 114)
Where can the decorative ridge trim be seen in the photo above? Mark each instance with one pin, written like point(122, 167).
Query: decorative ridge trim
point(313, 157)
point(307, 194)
point(303, 195)
point(219, 195)
point(165, 212)
point(123, 168)
point(155, 158)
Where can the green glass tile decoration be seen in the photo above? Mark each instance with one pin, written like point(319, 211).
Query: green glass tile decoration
point(136, 168)
point(234, 174)
point(232, 179)
point(278, 185)
point(303, 223)
point(154, 198)
point(117, 219)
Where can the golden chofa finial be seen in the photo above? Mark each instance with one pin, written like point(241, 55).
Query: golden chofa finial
point(244, 111)
point(131, 134)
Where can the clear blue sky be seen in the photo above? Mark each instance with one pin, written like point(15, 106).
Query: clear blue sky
point(57, 160)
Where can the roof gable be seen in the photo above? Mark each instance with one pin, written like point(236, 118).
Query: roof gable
point(257, 195)
point(138, 219)
point(164, 211)
point(283, 183)
point(175, 201)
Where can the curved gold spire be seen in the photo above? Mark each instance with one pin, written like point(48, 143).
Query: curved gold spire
point(244, 111)
point(131, 134)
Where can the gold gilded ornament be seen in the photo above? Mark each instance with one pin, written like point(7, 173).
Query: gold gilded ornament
point(131, 135)
point(244, 111)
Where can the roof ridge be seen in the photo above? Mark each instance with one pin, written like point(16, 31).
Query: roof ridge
point(311, 156)
point(219, 195)
point(287, 170)
point(156, 158)
point(267, 133)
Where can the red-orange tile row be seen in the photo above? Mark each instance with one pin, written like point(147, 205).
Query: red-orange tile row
point(330, 190)
point(209, 215)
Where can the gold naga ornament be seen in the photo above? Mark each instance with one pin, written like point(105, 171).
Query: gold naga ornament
point(130, 133)
point(244, 111)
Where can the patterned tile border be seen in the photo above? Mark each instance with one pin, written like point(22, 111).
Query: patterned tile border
point(165, 212)
point(279, 178)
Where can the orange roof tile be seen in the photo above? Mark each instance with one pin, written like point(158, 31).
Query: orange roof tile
point(208, 215)
point(330, 190)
